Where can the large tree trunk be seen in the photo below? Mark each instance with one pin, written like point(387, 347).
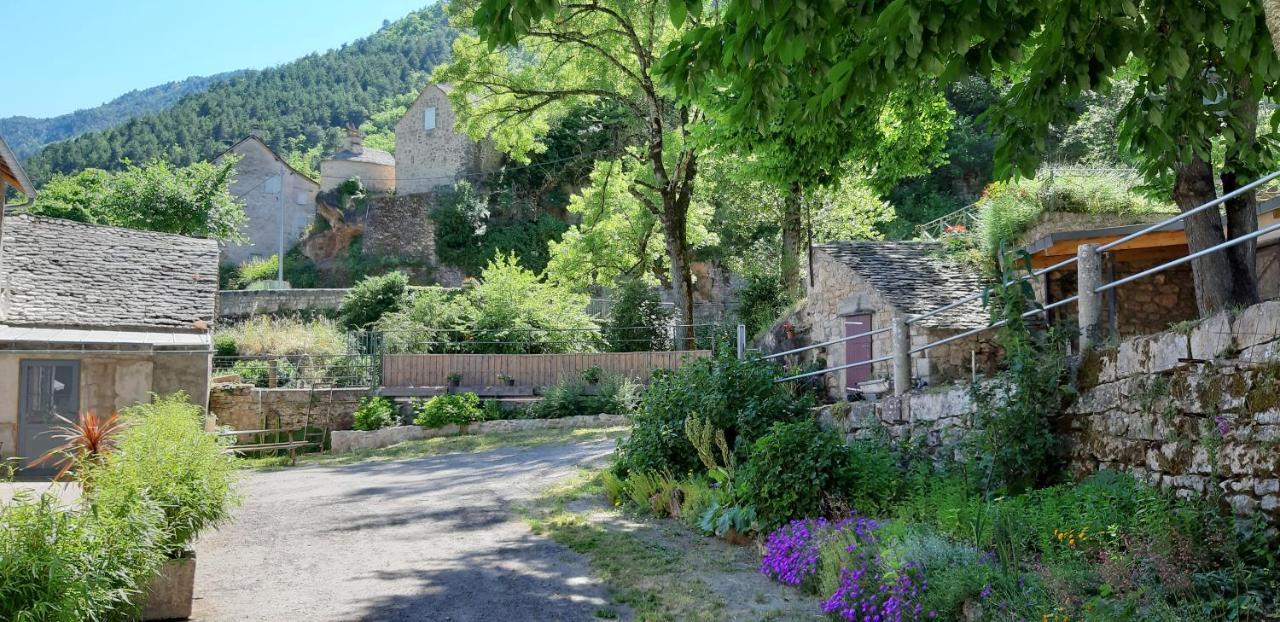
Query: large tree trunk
point(1242, 211)
point(792, 235)
point(1272, 10)
point(674, 230)
point(1192, 188)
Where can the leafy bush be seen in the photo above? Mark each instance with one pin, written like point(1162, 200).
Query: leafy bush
point(57, 564)
point(872, 481)
point(372, 298)
point(224, 351)
point(738, 397)
point(468, 238)
point(791, 469)
point(257, 372)
point(510, 310)
point(761, 302)
point(166, 456)
point(254, 270)
point(570, 397)
point(637, 319)
point(454, 408)
point(374, 413)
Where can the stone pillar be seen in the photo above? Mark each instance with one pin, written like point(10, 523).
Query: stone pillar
point(901, 355)
point(1089, 305)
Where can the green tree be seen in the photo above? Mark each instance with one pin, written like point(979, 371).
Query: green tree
point(531, 62)
point(190, 200)
point(1199, 70)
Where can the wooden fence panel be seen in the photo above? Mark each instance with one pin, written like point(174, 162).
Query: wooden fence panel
point(432, 370)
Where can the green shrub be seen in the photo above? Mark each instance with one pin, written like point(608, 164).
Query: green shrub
point(637, 319)
point(224, 350)
point(254, 270)
point(165, 456)
point(739, 397)
point(374, 413)
point(493, 411)
point(761, 302)
point(372, 298)
point(450, 409)
point(790, 471)
point(872, 481)
point(257, 372)
point(468, 238)
point(57, 564)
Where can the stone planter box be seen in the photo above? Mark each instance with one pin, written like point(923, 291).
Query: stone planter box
point(169, 593)
point(343, 441)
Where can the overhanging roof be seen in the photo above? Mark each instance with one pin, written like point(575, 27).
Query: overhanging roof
point(11, 171)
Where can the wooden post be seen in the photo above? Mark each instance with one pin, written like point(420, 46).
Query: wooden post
point(742, 342)
point(1089, 305)
point(901, 355)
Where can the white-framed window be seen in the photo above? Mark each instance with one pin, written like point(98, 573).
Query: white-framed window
point(429, 117)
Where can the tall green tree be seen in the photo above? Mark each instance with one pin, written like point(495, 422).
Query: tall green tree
point(193, 200)
point(531, 62)
point(1199, 70)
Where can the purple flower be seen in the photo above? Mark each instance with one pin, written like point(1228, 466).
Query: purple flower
point(985, 593)
point(894, 598)
point(791, 551)
point(1223, 427)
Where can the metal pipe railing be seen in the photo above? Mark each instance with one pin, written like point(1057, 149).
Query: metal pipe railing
point(827, 343)
point(1192, 257)
point(831, 369)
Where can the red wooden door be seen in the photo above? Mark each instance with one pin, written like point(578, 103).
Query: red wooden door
point(856, 350)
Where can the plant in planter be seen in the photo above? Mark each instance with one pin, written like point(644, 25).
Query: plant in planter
point(86, 443)
point(592, 375)
point(460, 409)
point(506, 379)
point(455, 379)
point(374, 413)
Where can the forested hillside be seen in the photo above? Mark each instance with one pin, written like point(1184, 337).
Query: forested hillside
point(27, 135)
point(293, 107)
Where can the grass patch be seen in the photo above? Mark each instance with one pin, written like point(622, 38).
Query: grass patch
point(425, 448)
point(265, 335)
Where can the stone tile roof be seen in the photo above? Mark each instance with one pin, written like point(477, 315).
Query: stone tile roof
point(371, 156)
point(915, 277)
point(69, 274)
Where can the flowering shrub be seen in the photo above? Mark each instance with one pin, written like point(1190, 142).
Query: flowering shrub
point(865, 595)
point(792, 552)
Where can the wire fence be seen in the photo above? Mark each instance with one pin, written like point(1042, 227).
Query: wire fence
point(303, 371)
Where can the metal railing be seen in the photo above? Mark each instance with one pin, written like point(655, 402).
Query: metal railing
point(1089, 282)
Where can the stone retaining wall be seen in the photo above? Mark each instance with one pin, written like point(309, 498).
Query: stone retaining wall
point(236, 304)
point(351, 440)
point(1184, 410)
point(245, 407)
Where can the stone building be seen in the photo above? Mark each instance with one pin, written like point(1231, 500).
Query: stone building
point(375, 168)
point(430, 152)
point(275, 195)
point(96, 318)
point(861, 286)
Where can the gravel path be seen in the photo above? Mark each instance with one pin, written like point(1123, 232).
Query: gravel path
point(425, 539)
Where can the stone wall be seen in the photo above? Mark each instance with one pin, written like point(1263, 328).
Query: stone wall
point(427, 158)
point(401, 226)
point(345, 441)
point(1183, 410)
point(236, 304)
point(245, 407)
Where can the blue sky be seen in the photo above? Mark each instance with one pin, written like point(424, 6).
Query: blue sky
point(70, 54)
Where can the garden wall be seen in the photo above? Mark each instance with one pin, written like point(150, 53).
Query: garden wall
point(236, 304)
point(245, 407)
point(1184, 410)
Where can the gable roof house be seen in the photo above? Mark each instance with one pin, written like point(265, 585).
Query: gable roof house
point(860, 286)
point(275, 195)
point(430, 152)
point(97, 318)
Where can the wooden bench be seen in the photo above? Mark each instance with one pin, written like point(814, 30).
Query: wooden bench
point(291, 446)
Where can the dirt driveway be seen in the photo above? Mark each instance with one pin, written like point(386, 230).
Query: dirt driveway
point(424, 539)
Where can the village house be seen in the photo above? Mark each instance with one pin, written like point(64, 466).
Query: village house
point(860, 286)
point(95, 318)
point(430, 152)
point(375, 168)
point(276, 197)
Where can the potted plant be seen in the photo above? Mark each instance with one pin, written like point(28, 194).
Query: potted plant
point(506, 379)
point(592, 375)
point(455, 379)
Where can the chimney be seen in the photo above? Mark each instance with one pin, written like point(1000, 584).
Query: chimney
point(355, 140)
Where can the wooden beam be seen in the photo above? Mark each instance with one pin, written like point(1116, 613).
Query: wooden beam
point(1155, 239)
point(1039, 261)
